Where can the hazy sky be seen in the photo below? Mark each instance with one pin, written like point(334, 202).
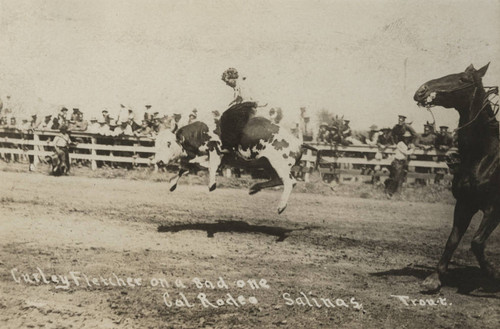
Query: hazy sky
point(360, 59)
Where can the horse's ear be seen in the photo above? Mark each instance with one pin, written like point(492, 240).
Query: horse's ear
point(482, 71)
point(470, 68)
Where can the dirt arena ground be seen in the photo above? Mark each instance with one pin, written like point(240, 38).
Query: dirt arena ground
point(355, 253)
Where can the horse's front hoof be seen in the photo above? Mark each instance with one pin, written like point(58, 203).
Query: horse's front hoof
point(173, 187)
point(212, 187)
point(281, 209)
point(432, 283)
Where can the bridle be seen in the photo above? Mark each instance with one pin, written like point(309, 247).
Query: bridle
point(486, 101)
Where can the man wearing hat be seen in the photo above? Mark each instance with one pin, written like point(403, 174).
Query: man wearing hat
point(106, 117)
point(61, 145)
point(79, 124)
point(401, 127)
point(34, 122)
point(345, 130)
point(94, 126)
point(25, 125)
point(177, 119)
point(46, 124)
point(399, 166)
point(323, 133)
point(148, 116)
point(123, 129)
point(144, 130)
point(62, 117)
point(427, 140)
point(443, 141)
point(373, 136)
point(74, 115)
point(55, 124)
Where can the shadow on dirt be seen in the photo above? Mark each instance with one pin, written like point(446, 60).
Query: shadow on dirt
point(468, 280)
point(231, 226)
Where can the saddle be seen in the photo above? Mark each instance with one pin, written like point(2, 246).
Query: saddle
point(232, 123)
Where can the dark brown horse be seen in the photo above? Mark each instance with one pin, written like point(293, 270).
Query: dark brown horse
point(476, 183)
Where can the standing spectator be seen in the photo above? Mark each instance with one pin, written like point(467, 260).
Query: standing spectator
point(62, 117)
point(7, 106)
point(148, 116)
point(399, 166)
point(61, 144)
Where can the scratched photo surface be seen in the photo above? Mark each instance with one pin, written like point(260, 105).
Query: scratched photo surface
point(224, 164)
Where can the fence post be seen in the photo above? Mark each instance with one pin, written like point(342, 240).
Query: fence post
point(36, 149)
point(93, 163)
point(308, 166)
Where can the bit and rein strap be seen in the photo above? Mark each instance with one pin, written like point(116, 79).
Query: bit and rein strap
point(486, 101)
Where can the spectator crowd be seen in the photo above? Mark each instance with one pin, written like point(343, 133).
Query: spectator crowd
point(338, 131)
point(126, 121)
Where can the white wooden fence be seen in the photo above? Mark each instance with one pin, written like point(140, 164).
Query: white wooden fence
point(330, 160)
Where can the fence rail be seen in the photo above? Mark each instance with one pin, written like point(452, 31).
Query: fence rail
point(365, 160)
point(330, 160)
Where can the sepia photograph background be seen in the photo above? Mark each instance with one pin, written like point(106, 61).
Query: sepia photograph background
point(346, 242)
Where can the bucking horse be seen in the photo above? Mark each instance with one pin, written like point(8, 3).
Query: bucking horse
point(241, 139)
point(476, 181)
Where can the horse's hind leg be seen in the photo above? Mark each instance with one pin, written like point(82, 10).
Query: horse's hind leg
point(491, 218)
point(182, 170)
point(461, 220)
point(214, 160)
point(283, 167)
point(274, 181)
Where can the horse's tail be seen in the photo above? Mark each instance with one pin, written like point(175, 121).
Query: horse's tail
point(303, 148)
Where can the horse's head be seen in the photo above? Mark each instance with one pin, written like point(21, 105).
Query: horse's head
point(453, 90)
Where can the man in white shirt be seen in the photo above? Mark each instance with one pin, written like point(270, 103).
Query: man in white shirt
point(47, 123)
point(61, 145)
point(94, 126)
point(123, 129)
point(399, 166)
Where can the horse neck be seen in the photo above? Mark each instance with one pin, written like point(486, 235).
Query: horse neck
point(477, 135)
